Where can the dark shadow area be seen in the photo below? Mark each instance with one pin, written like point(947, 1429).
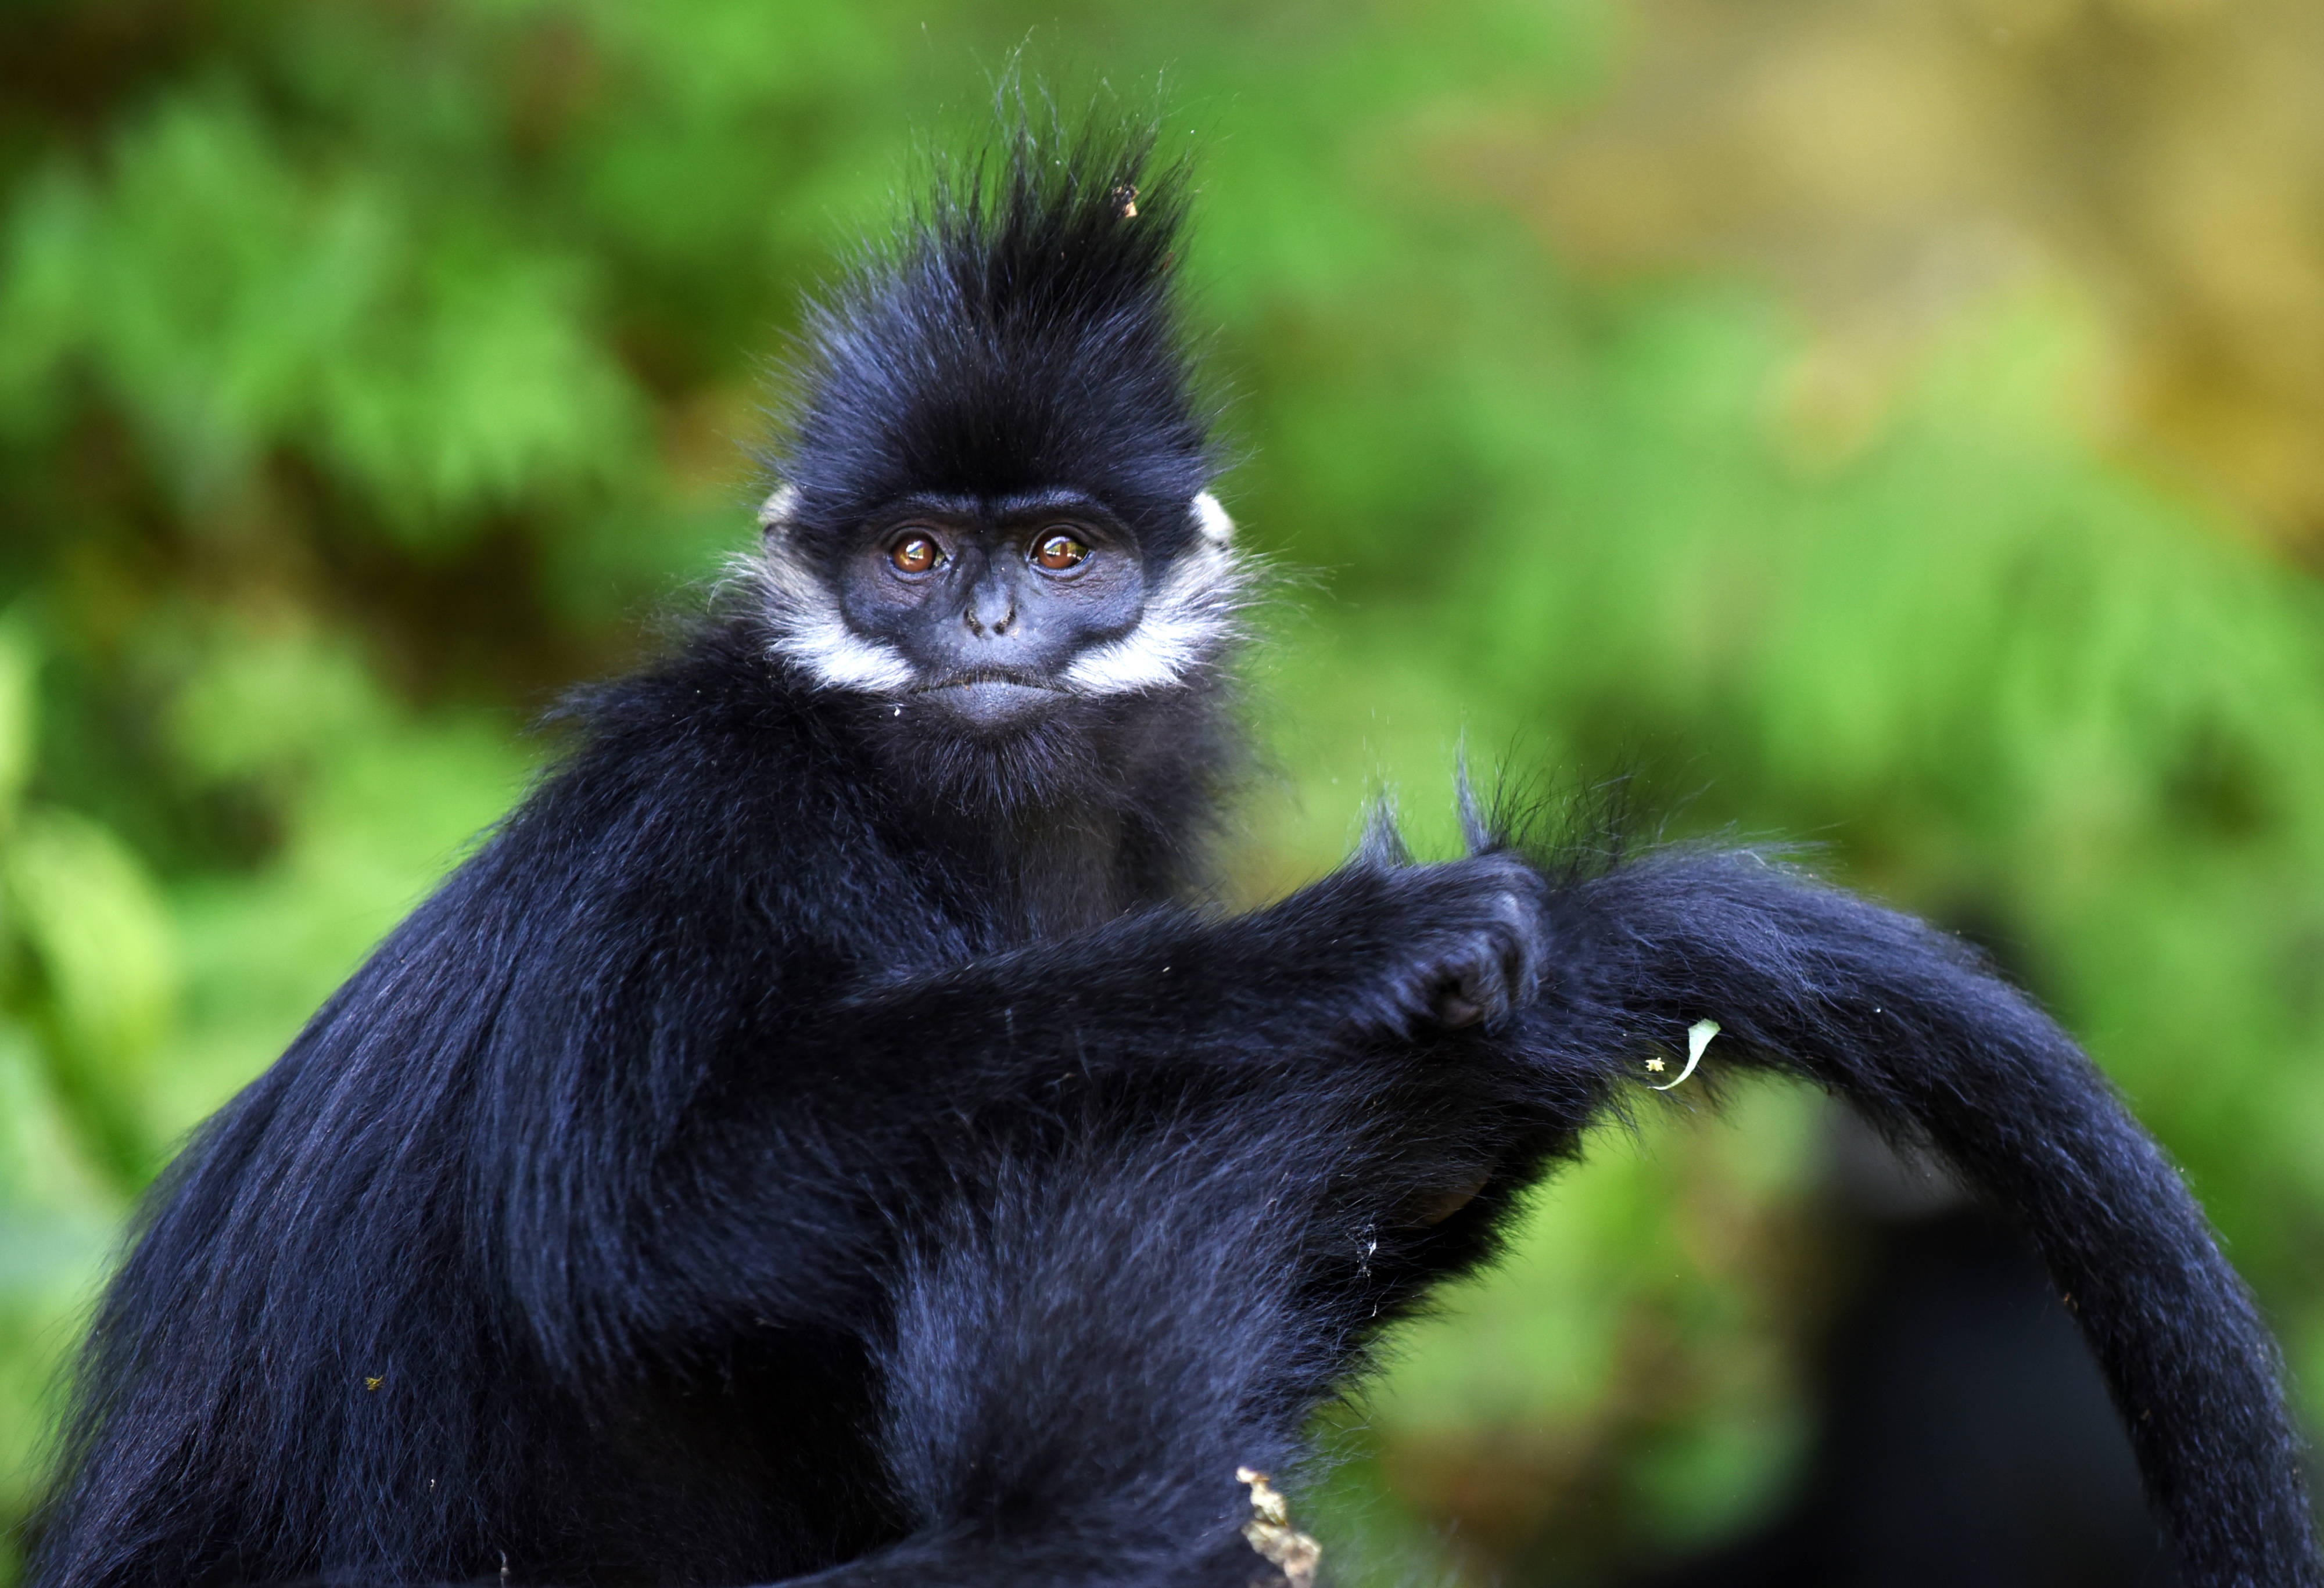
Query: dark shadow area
point(1963, 1435)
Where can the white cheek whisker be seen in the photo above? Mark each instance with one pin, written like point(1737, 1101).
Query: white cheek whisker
point(1186, 623)
point(777, 508)
point(1212, 519)
point(804, 626)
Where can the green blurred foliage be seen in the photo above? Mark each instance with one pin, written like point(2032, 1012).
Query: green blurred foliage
point(369, 370)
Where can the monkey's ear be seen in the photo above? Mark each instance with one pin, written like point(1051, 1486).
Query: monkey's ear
point(775, 512)
point(1209, 518)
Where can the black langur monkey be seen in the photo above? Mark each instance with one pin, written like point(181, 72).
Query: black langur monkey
point(822, 1133)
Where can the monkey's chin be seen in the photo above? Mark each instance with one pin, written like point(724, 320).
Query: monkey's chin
point(989, 703)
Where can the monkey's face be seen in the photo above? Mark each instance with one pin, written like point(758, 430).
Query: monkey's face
point(996, 613)
point(991, 604)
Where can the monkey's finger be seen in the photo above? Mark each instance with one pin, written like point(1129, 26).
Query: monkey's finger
point(1474, 994)
point(1455, 1009)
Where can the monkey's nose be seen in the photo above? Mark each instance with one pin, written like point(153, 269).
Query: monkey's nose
point(989, 612)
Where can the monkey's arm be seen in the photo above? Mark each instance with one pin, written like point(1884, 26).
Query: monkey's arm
point(781, 1202)
point(1914, 1029)
point(1369, 949)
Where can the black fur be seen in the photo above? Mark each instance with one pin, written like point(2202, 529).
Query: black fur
point(794, 1146)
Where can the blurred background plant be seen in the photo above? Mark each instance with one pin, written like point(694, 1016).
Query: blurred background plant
point(1894, 426)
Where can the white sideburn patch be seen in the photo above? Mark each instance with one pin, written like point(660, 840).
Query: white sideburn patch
point(804, 620)
point(1212, 519)
point(1184, 623)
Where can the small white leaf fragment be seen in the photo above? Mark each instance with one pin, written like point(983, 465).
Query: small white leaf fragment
point(1698, 1038)
point(1270, 1530)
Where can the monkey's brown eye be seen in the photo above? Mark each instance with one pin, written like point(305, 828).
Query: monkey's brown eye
point(914, 554)
point(1058, 553)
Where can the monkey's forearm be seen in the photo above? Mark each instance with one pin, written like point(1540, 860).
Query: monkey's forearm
point(1168, 982)
point(1367, 952)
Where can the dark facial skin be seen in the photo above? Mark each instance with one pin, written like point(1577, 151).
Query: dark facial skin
point(991, 601)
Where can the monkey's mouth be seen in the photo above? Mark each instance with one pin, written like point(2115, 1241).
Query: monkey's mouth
point(989, 697)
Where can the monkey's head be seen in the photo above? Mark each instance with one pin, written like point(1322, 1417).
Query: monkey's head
point(994, 511)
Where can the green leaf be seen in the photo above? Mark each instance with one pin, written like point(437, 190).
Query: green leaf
point(107, 952)
point(40, 1169)
point(19, 665)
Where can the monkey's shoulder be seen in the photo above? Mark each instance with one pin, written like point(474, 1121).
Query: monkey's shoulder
point(716, 714)
point(713, 772)
point(688, 867)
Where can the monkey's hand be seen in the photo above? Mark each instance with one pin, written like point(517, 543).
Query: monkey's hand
point(1452, 943)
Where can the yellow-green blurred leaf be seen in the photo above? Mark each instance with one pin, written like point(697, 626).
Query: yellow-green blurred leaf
point(44, 1174)
point(103, 941)
point(18, 662)
point(252, 705)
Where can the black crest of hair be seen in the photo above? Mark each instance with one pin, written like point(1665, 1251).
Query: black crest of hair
point(1022, 336)
point(758, 1162)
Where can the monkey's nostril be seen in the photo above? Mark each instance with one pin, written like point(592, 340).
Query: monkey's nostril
point(989, 619)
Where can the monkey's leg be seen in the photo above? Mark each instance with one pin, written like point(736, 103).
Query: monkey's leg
point(1096, 1329)
point(1087, 1346)
point(1914, 1029)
